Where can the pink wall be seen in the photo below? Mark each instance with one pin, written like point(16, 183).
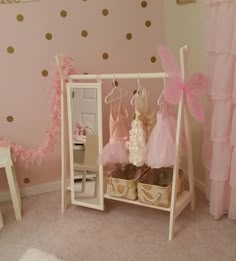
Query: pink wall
point(24, 92)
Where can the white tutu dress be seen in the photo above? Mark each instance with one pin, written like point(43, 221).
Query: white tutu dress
point(138, 131)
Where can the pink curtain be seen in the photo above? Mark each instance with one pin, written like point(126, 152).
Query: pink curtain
point(219, 153)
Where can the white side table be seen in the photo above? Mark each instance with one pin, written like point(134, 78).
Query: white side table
point(7, 164)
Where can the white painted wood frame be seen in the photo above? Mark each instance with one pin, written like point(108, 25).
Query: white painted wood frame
point(97, 86)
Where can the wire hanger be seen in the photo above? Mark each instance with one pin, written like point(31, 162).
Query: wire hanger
point(137, 91)
point(160, 99)
point(108, 99)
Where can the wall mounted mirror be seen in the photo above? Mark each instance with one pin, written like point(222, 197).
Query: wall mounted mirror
point(85, 144)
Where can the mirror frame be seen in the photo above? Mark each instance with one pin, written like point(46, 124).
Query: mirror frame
point(98, 87)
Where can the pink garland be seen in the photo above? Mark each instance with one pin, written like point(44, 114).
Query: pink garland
point(36, 155)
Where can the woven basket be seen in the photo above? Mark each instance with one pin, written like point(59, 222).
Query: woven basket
point(155, 186)
point(122, 182)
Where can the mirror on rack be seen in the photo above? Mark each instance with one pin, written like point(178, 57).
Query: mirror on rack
point(85, 144)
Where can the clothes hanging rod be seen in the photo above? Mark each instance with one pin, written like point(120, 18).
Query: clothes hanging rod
point(160, 75)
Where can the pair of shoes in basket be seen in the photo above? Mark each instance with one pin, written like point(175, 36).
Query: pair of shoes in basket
point(150, 186)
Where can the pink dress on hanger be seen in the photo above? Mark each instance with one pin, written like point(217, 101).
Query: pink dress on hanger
point(116, 151)
point(161, 143)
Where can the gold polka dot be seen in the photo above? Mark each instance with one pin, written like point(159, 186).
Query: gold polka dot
point(148, 23)
point(153, 59)
point(10, 49)
point(105, 56)
point(129, 36)
point(45, 73)
point(48, 36)
point(63, 13)
point(10, 118)
point(144, 4)
point(84, 33)
point(20, 17)
point(105, 12)
point(26, 180)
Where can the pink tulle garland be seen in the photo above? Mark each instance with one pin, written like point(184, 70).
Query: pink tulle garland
point(31, 156)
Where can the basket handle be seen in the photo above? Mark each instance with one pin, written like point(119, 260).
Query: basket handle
point(119, 194)
point(157, 199)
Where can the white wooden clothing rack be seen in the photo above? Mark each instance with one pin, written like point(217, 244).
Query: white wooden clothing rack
point(179, 203)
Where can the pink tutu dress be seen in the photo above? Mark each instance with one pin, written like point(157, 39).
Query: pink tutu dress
point(116, 150)
point(161, 143)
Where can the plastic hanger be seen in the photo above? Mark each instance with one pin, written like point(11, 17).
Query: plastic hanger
point(108, 99)
point(137, 91)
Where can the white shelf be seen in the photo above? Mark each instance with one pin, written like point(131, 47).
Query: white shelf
point(182, 201)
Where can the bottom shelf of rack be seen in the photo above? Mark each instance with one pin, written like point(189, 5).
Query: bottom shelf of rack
point(182, 201)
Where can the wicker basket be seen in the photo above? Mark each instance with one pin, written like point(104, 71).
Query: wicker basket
point(155, 186)
point(122, 182)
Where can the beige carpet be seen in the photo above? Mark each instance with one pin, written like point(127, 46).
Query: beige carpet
point(122, 232)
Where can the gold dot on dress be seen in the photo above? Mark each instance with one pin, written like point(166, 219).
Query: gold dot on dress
point(26, 180)
point(105, 12)
point(153, 59)
point(84, 33)
point(105, 56)
point(20, 17)
point(148, 23)
point(10, 49)
point(63, 13)
point(129, 36)
point(144, 4)
point(48, 36)
point(10, 118)
point(45, 73)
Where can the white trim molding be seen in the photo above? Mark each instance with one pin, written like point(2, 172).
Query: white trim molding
point(56, 186)
point(199, 184)
point(33, 190)
point(2, 2)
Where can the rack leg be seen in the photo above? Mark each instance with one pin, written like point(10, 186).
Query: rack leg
point(173, 200)
point(65, 200)
point(189, 159)
point(65, 164)
point(171, 226)
point(63, 194)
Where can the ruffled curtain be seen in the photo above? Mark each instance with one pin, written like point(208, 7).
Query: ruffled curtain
point(219, 153)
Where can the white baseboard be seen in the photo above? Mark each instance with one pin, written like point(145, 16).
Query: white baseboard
point(33, 190)
point(55, 186)
point(199, 184)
